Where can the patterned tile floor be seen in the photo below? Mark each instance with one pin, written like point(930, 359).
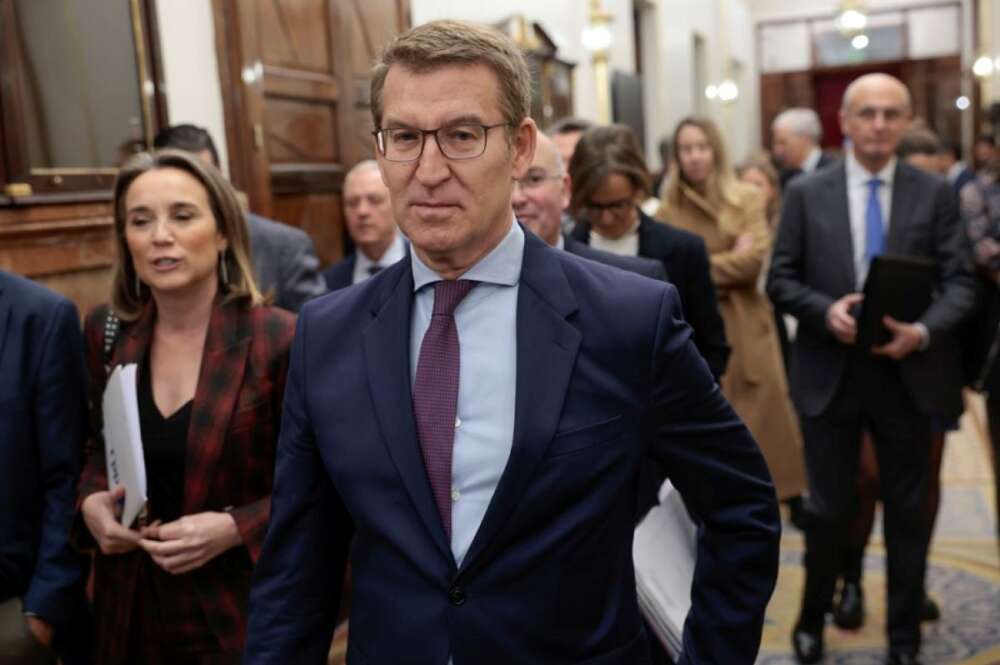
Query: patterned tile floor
point(964, 573)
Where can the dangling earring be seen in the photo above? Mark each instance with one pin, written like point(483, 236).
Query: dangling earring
point(138, 286)
point(223, 271)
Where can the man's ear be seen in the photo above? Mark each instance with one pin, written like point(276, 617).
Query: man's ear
point(525, 140)
point(566, 193)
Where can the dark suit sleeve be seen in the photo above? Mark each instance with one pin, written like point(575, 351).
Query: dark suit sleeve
point(718, 469)
point(701, 308)
point(951, 250)
point(785, 286)
point(297, 581)
point(300, 277)
point(59, 412)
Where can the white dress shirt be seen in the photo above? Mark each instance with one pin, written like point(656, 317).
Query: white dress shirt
point(857, 200)
point(363, 265)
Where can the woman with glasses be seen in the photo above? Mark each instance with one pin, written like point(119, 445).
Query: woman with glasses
point(609, 180)
point(706, 198)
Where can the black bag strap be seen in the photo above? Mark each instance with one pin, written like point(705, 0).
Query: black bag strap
point(112, 324)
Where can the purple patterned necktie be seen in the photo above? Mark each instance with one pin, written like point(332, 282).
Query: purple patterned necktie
point(435, 392)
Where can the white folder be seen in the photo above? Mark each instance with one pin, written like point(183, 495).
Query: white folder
point(664, 551)
point(123, 441)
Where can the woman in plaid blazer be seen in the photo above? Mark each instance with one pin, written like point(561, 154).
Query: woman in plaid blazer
point(212, 364)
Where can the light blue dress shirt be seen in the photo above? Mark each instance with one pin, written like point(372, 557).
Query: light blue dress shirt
point(487, 335)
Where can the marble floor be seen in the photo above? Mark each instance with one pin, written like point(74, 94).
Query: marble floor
point(964, 572)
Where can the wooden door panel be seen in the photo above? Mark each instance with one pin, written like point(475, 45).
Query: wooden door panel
point(297, 73)
point(319, 215)
point(301, 131)
point(295, 33)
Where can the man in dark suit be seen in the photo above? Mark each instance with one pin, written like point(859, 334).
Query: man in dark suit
point(479, 411)
point(795, 143)
point(284, 257)
point(539, 199)
point(43, 418)
point(834, 222)
point(368, 217)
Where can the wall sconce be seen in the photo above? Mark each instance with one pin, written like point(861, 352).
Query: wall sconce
point(983, 67)
point(726, 92)
point(597, 39)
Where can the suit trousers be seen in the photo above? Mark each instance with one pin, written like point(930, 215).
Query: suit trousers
point(871, 397)
point(17, 645)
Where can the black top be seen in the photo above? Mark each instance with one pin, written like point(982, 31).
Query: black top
point(164, 442)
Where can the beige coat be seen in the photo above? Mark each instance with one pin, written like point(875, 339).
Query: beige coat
point(754, 381)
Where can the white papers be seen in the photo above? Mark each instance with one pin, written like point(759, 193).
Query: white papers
point(664, 550)
point(123, 441)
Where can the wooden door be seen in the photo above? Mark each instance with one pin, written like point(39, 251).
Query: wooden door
point(295, 77)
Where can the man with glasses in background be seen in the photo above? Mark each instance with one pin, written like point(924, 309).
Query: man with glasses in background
point(476, 414)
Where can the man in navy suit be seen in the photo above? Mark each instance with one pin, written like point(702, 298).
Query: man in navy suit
point(368, 217)
point(479, 412)
point(43, 418)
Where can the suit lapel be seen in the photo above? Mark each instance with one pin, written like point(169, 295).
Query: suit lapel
point(838, 204)
point(387, 357)
point(223, 364)
point(902, 205)
point(547, 346)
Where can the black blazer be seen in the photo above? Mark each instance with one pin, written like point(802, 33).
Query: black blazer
point(685, 260)
point(813, 265)
point(645, 267)
point(340, 275)
point(43, 425)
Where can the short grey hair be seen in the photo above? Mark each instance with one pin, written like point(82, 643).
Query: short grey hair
point(801, 121)
point(361, 167)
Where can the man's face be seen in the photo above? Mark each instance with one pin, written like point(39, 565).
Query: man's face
point(565, 144)
point(983, 153)
point(542, 194)
point(875, 119)
point(368, 212)
point(453, 211)
point(789, 148)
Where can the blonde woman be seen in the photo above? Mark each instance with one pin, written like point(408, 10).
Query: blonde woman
point(705, 197)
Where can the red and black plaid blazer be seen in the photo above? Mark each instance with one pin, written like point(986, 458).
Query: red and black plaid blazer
point(229, 462)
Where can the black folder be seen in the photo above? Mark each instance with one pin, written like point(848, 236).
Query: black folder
point(898, 286)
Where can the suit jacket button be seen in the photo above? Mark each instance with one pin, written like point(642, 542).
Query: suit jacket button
point(456, 596)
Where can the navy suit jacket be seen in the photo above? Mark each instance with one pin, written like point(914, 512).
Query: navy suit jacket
point(341, 274)
point(606, 375)
point(43, 420)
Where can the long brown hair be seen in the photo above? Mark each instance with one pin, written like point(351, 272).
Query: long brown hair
point(761, 162)
point(126, 301)
point(721, 188)
point(602, 152)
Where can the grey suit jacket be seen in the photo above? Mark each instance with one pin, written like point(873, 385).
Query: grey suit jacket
point(641, 266)
point(284, 259)
point(812, 266)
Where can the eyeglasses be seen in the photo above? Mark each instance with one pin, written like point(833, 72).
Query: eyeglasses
point(618, 209)
point(536, 179)
point(461, 141)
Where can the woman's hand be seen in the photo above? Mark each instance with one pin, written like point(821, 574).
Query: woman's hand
point(101, 511)
point(190, 542)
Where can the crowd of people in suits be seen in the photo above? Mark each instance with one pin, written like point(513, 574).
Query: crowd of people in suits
point(533, 333)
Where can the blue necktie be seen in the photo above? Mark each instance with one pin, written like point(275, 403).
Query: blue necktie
point(874, 229)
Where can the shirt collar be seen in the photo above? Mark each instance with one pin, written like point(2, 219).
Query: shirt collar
point(393, 253)
point(501, 266)
point(812, 160)
point(560, 242)
point(858, 175)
